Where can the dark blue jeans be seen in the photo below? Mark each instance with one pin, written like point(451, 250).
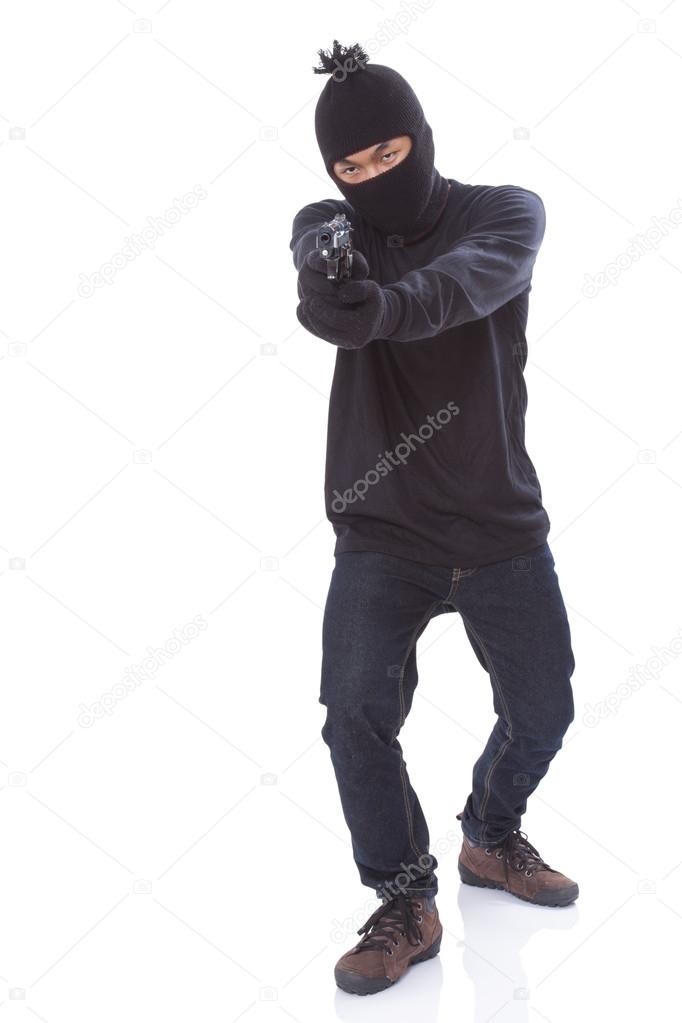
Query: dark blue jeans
point(377, 607)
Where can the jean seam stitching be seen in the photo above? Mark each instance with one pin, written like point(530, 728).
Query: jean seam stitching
point(505, 745)
point(401, 707)
point(454, 582)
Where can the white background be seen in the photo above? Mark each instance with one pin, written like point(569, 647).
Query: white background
point(185, 856)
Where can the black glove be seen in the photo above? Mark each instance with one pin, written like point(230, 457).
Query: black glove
point(347, 313)
point(312, 277)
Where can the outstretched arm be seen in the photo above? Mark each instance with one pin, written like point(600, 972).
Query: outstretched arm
point(485, 269)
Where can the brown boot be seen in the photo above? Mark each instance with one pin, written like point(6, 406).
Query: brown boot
point(404, 930)
point(516, 867)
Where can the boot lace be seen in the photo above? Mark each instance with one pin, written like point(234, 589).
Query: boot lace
point(519, 854)
point(396, 917)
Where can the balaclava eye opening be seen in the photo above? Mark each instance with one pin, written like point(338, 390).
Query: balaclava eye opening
point(361, 106)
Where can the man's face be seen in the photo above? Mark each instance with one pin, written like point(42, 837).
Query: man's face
point(372, 161)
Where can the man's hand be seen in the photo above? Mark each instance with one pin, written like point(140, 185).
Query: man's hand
point(312, 277)
point(347, 313)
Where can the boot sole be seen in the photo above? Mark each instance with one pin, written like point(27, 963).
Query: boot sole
point(356, 984)
point(559, 897)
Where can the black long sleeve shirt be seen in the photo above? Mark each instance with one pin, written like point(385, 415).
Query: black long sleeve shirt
point(426, 455)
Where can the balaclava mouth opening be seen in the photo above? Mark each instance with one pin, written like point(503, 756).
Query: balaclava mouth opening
point(361, 106)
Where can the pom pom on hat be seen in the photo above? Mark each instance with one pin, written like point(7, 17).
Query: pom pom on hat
point(341, 58)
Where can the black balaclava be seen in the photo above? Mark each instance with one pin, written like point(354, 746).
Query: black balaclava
point(361, 106)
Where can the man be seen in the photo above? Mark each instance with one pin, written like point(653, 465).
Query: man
point(435, 503)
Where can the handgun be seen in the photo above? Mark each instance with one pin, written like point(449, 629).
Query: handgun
point(334, 244)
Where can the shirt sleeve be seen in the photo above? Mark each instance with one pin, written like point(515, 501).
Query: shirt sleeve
point(484, 269)
point(305, 225)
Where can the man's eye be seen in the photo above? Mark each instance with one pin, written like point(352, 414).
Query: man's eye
point(389, 154)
